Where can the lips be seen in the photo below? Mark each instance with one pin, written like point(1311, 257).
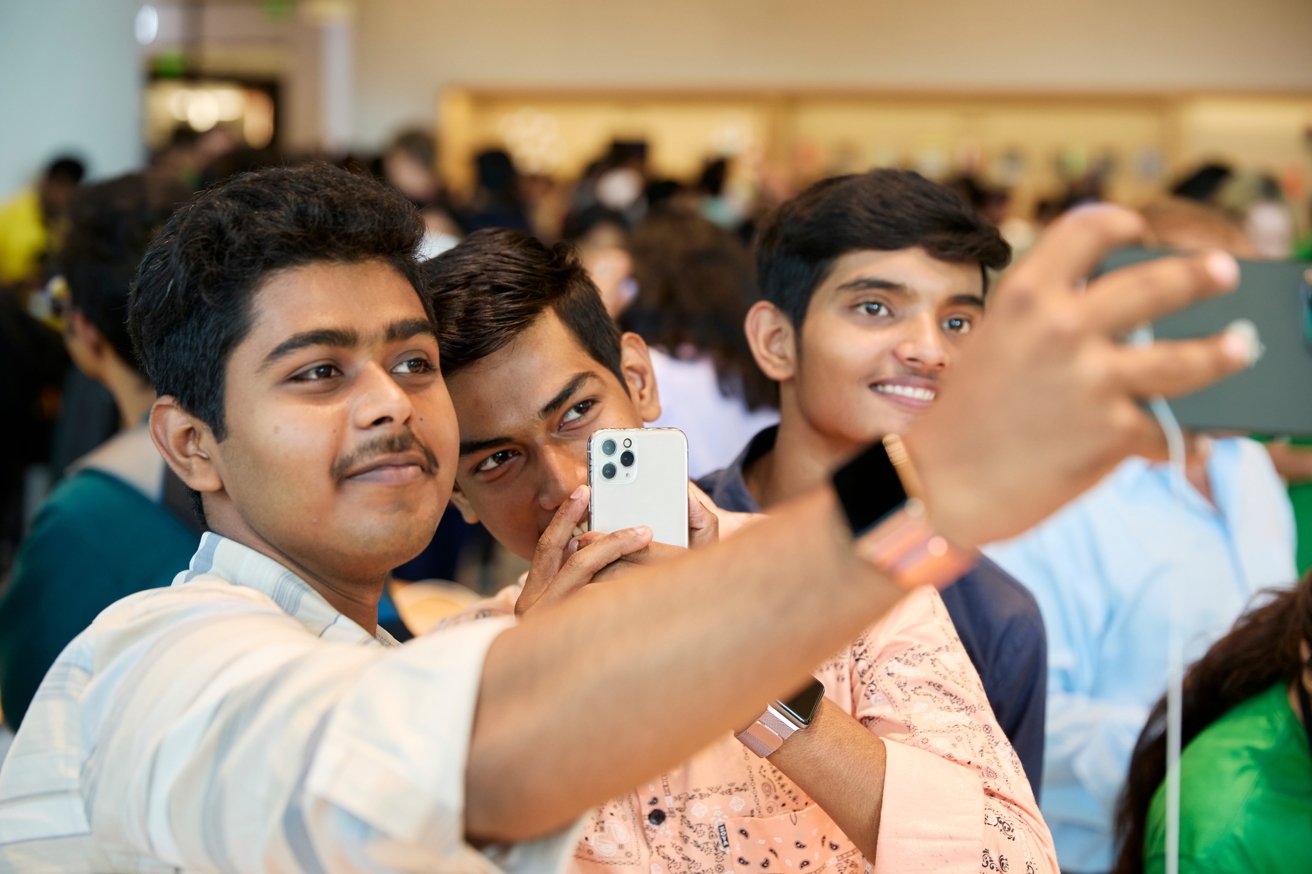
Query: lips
point(392, 469)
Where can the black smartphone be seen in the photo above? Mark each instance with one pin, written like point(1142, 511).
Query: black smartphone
point(1272, 397)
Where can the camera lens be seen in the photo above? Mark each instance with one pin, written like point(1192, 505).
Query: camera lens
point(608, 447)
point(608, 471)
point(626, 458)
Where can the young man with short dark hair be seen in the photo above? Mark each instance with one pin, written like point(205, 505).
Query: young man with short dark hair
point(872, 284)
point(251, 718)
point(535, 366)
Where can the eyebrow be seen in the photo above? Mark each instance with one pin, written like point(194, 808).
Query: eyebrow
point(345, 338)
point(468, 447)
point(868, 283)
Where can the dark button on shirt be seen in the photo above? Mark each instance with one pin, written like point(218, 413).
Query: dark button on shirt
point(996, 617)
point(656, 817)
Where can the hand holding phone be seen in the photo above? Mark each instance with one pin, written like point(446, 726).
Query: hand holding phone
point(639, 476)
point(1274, 396)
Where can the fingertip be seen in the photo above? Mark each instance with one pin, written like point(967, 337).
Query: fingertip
point(1223, 268)
point(1241, 342)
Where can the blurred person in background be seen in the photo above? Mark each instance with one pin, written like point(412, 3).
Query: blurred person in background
point(409, 164)
point(1246, 761)
point(694, 284)
point(1192, 226)
point(600, 236)
point(716, 205)
point(1257, 203)
point(33, 361)
point(29, 222)
point(497, 201)
point(121, 521)
point(1104, 570)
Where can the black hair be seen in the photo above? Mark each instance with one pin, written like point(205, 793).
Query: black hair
point(1261, 650)
point(109, 227)
point(497, 282)
point(883, 210)
point(191, 303)
point(65, 168)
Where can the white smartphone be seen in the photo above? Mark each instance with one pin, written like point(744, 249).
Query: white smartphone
point(639, 476)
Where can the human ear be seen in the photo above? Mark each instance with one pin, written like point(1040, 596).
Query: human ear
point(186, 443)
point(462, 504)
point(773, 339)
point(635, 364)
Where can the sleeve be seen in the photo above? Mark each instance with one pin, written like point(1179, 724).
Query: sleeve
point(1027, 728)
point(1089, 738)
point(955, 795)
point(226, 738)
point(1001, 628)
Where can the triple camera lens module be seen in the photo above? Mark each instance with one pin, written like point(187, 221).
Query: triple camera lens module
point(609, 448)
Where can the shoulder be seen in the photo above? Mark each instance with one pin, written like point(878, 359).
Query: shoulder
point(990, 604)
point(1226, 784)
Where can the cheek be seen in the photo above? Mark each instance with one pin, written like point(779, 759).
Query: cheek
point(289, 457)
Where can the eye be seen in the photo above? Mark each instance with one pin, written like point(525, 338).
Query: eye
point(317, 373)
point(872, 308)
point(495, 460)
point(418, 364)
point(576, 412)
point(958, 324)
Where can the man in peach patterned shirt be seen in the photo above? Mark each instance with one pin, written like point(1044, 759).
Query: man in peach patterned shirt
point(904, 766)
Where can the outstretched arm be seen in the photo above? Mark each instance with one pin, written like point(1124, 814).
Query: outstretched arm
point(642, 672)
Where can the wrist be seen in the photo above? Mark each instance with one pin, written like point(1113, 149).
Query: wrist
point(881, 496)
point(944, 495)
point(782, 719)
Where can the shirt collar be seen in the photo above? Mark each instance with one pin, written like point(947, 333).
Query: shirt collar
point(219, 558)
point(728, 489)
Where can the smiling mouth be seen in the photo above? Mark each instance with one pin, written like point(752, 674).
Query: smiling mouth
point(907, 392)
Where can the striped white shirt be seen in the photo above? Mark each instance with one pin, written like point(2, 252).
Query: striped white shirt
point(236, 721)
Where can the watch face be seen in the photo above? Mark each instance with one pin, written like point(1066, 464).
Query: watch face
point(804, 704)
point(868, 489)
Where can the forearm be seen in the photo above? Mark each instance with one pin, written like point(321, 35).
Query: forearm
point(625, 680)
point(840, 764)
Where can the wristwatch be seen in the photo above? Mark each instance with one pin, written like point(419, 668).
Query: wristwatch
point(880, 496)
point(782, 719)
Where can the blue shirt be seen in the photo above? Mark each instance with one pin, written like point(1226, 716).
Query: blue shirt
point(1103, 569)
point(997, 619)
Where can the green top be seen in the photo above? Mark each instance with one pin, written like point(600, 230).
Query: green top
point(1245, 794)
point(96, 539)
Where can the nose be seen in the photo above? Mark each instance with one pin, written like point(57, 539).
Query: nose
point(923, 346)
point(380, 400)
point(563, 469)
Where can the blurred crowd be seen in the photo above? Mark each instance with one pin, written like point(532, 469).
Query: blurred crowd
point(677, 262)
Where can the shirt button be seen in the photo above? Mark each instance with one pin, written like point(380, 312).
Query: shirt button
point(656, 817)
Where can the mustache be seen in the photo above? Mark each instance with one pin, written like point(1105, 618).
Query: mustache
point(389, 445)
